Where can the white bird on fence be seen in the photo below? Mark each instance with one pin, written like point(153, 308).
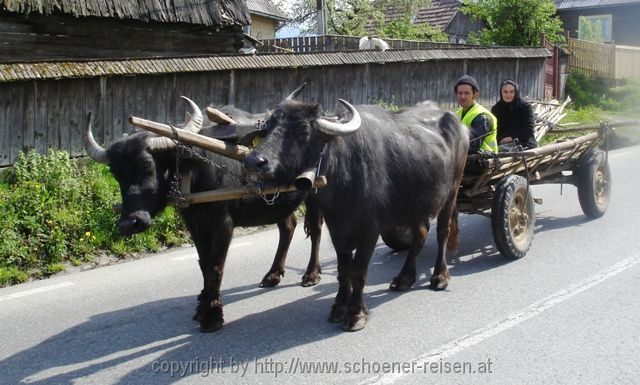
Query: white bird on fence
point(368, 42)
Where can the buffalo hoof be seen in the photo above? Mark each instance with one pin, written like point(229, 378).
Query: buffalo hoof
point(439, 282)
point(211, 318)
point(338, 312)
point(401, 283)
point(355, 322)
point(272, 279)
point(310, 279)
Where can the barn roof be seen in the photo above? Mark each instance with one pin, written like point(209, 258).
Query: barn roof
point(578, 4)
point(267, 9)
point(219, 13)
point(78, 69)
point(438, 13)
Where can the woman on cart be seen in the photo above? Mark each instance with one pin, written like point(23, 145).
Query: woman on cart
point(515, 119)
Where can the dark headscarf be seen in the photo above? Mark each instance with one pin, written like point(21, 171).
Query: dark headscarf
point(515, 119)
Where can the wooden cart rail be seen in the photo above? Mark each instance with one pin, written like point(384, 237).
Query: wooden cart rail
point(545, 164)
point(540, 162)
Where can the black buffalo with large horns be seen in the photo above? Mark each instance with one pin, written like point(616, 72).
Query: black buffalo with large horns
point(145, 165)
point(383, 170)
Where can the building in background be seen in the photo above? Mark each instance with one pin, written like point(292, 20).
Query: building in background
point(602, 21)
point(445, 15)
point(266, 19)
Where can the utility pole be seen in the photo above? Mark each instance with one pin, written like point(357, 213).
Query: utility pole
point(321, 7)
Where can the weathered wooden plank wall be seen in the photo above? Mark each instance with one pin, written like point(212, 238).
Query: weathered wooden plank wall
point(50, 37)
point(44, 114)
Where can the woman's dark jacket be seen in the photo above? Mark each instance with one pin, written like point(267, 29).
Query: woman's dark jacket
point(516, 120)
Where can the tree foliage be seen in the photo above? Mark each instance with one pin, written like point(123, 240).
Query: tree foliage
point(514, 22)
point(362, 17)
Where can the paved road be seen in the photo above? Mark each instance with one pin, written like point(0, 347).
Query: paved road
point(567, 313)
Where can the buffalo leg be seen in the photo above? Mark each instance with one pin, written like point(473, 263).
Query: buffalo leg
point(440, 278)
point(286, 227)
point(339, 308)
point(212, 252)
point(407, 276)
point(356, 317)
point(447, 227)
point(313, 229)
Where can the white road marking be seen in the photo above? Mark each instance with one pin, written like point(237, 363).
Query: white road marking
point(509, 322)
point(37, 290)
point(195, 256)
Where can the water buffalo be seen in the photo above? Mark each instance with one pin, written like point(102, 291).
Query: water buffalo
point(145, 165)
point(383, 170)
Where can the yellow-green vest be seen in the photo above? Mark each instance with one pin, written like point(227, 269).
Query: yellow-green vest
point(489, 142)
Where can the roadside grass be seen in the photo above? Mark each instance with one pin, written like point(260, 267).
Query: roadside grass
point(57, 211)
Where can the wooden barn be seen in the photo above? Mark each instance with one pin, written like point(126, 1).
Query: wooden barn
point(445, 15)
point(94, 29)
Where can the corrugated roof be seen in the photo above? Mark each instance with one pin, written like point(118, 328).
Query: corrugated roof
point(267, 9)
point(220, 13)
point(82, 69)
point(439, 13)
point(576, 4)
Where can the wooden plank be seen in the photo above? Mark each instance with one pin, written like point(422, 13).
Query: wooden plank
point(53, 114)
point(77, 117)
point(41, 119)
point(117, 104)
point(164, 97)
point(64, 133)
point(5, 124)
point(139, 107)
point(15, 125)
point(28, 115)
point(104, 95)
point(129, 87)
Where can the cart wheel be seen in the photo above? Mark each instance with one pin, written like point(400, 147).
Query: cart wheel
point(399, 238)
point(594, 183)
point(512, 217)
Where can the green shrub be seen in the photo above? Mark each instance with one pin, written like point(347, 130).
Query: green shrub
point(586, 90)
point(57, 210)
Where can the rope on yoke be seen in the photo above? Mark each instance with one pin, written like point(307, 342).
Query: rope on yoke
point(175, 192)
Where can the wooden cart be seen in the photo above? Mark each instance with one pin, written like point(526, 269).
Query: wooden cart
point(499, 187)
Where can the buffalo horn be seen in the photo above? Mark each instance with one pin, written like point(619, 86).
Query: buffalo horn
point(95, 151)
point(194, 124)
point(340, 129)
point(296, 92)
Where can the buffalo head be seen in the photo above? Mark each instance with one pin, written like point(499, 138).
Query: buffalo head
point(296, 135)
point(143, 165)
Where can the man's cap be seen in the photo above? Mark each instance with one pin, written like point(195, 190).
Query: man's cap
point(466, 79)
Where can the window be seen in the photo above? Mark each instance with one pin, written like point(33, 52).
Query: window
point(595, 28)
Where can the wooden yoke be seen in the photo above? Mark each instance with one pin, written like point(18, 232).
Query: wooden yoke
point(229, 150)
point(239, 192)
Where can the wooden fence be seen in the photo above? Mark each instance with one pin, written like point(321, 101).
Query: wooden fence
point(596, 59)
point(51, 113)
point(627, 62)
point(326, 43)
point(604, 60)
